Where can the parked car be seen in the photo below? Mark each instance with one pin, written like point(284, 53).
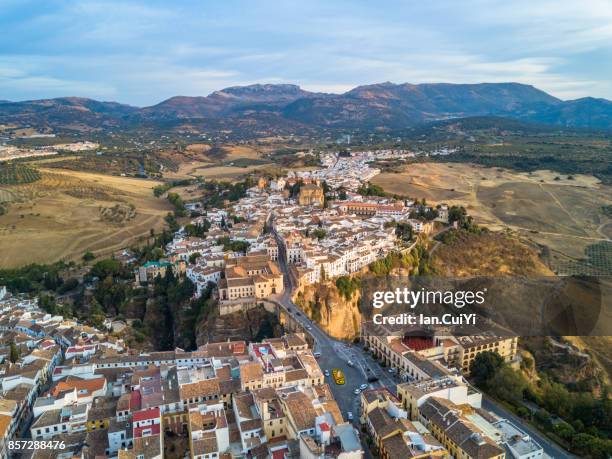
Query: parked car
point(363, 387)
point(350, 363)
point(326, 372)
point(349, 416)
point(356, 391)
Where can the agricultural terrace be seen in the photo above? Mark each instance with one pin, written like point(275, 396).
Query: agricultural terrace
point(17, 174)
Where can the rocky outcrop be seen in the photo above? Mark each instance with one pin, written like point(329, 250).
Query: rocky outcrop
point(250, 325)
point(338, 316)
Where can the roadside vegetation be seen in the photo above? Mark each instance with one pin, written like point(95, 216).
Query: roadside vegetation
point(579, 421)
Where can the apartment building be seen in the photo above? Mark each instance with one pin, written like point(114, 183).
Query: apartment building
point(419, 354)
point(459, 435)
point(412, 395)
point(251, 277)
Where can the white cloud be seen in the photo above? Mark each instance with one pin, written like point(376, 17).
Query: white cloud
point(145, 51)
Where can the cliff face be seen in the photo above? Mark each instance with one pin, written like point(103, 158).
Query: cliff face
point(337, 316)
point(252, 325)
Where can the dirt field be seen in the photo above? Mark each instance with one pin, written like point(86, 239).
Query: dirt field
point(242, 151)
point(544, 207)
point(67, 213)
point(201, 169)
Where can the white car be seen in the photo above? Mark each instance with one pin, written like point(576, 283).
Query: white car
point(308, 327)
point(349, 416)
point(357, 391)
point(363, 387)
point(326, 372)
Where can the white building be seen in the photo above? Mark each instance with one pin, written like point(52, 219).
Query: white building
point(518, 443)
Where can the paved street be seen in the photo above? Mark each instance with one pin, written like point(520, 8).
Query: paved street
point(336, 354)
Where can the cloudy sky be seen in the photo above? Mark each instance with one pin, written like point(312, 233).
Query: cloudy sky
point(141, 52)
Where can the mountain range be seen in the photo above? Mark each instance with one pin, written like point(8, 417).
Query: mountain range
point(273, 107)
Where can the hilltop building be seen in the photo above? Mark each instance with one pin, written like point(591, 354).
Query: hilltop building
point(248, 279)
point(311, 194)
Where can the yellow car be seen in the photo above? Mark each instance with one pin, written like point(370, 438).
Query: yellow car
point(338, 376)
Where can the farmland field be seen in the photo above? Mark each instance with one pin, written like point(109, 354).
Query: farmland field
point(67, 213)
point(15, 174)
point(553, 210)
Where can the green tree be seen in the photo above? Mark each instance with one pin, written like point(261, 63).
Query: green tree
point(370, 189)
point(557, 399)
point(508, 385)
point(105, 268)
point(47, 303)
point(198, 230)
point(457, 214)
point(319, 233)
point(347, 286)
point(564, 430)
point(14, 353)
point(404, 231)
point(485, 366)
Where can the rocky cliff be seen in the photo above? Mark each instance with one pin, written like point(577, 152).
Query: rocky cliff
point(252, 325)
point(338, 316)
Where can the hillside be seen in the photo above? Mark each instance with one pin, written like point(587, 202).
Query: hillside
point(585, 112)
point(73, 113)
point(391, 105)
point(486, 254)
point(286, 106)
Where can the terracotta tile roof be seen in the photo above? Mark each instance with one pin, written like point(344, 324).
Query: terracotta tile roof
point(251, 371)
point(87, 385)
point(229, 387)
point(296, 375)
point(205, 445)
point(143, 415)
point(224, 373)
point(445, 415)
point(148, 446)
point(203, 388)
point(300, 409)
